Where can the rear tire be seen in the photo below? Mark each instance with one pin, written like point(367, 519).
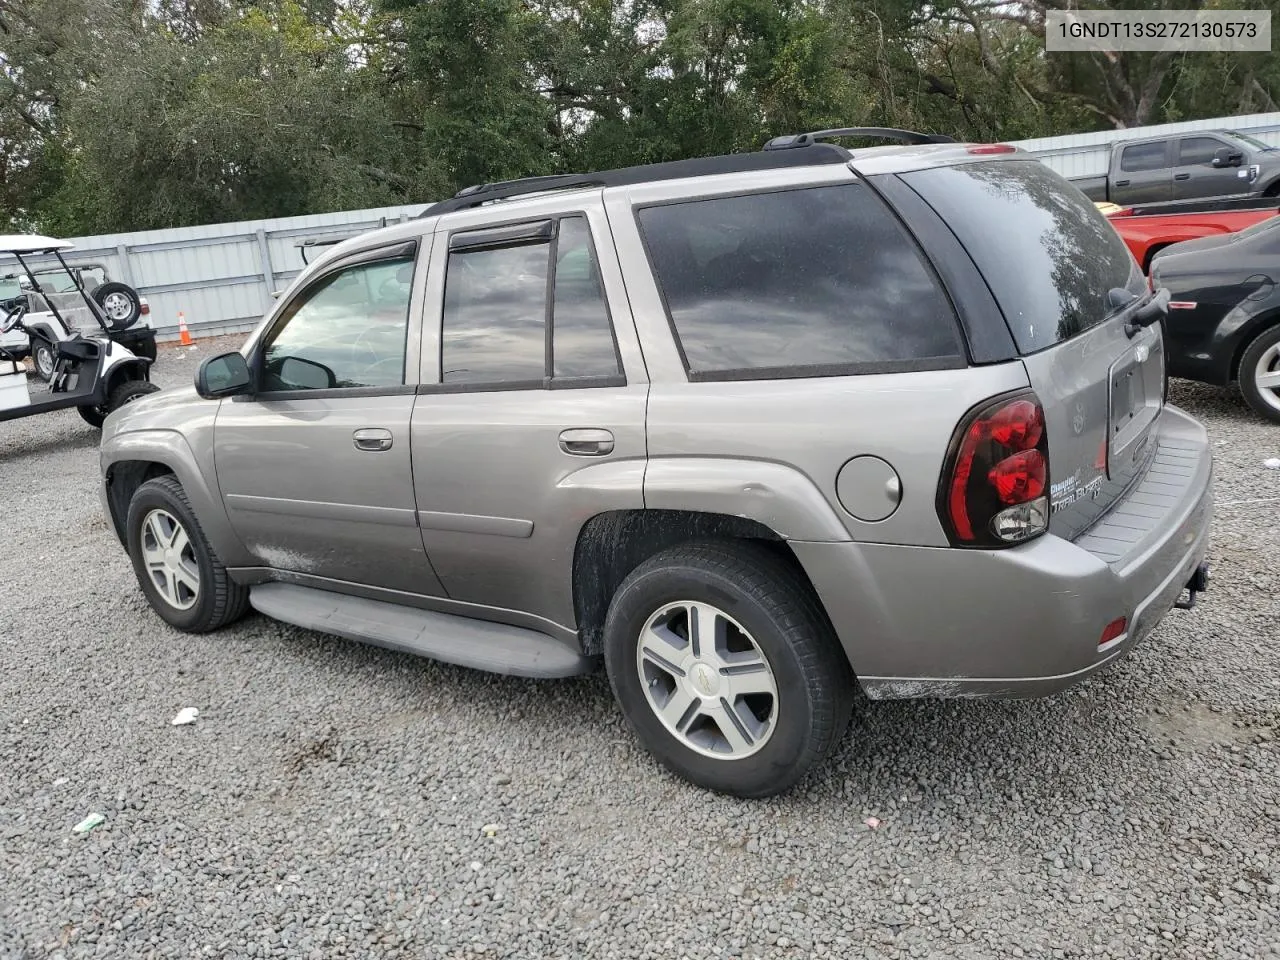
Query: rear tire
point(170, 553)
point(120, 302)
point(1261, 358)
point(129, 391)
point(770, 634)
point(121, 395)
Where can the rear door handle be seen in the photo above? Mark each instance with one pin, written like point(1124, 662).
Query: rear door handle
point(1122, 183)
point(372, 439)
point(586, 442)
point(1182, 176)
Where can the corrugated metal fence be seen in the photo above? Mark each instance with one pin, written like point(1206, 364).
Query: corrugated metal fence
point(222, 276)
point(1088, 154)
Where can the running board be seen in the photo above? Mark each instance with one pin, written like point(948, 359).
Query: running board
point(480, 644)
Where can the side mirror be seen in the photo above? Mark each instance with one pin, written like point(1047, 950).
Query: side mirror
point(1226, 157)
point(301, 374)
point(223, 376)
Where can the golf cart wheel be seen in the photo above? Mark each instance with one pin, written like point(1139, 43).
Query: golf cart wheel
point(120, 302)
point(129, 391)
point(179, 572)
point(727, 668)
point(121, 395)
point(42, 358)
point(1260, 374)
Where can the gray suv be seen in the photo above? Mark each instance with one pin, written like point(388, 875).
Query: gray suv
point(753, 431)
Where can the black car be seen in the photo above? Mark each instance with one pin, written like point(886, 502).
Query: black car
point(1224, 311)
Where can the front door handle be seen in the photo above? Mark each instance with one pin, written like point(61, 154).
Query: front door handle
point(586, 442)
point(372, 439)
point(1182, 176)
point(1122, 183)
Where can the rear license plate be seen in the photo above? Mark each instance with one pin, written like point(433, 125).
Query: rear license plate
point(1127, 397)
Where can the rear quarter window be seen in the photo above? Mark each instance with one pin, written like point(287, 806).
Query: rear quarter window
point(1047, 253)
point(806, 282)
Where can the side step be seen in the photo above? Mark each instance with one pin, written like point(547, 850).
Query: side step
point(495, 647)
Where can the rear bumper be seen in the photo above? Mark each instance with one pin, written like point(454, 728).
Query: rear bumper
point(1022, 622)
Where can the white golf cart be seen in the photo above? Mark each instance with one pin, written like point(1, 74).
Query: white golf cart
point(96, 373)
point(121, 304)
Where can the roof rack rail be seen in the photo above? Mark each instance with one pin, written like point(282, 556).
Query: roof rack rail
point(794, 140)
point(815, 153)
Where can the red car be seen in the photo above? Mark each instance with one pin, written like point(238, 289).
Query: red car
point(1150, 228)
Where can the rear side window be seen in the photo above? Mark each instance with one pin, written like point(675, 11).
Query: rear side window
point(1145, 156)
point(1047, 253)
point(501, 302)
point(805, 282)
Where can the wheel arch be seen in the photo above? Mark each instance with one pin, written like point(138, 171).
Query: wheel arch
point(128, 368)
point(1261, 323)
point(122, 479)
point(130, 459)
point(611, 545)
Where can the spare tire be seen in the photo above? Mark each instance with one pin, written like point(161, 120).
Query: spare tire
point(120, 302)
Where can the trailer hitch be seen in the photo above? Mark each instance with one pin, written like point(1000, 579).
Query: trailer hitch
point(1198, 583)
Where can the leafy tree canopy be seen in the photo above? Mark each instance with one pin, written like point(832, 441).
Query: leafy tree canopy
point(136, 114)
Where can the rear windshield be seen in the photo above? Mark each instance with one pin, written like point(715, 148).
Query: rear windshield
point(1047, 253)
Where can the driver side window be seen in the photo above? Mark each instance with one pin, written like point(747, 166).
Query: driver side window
point(347, 330)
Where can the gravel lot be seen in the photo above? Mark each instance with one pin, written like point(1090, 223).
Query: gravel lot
point(335, 800)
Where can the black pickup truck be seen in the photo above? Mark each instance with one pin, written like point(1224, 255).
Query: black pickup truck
point(1186, 167)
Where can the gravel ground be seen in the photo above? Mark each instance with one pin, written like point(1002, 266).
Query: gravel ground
point(335, 800)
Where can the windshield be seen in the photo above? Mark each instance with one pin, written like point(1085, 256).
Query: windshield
point(1252, 141)
point(56, 280)
point(1047, 253)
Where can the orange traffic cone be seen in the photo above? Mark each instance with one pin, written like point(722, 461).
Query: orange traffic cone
point(184, 335)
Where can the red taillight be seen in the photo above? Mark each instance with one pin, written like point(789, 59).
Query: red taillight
point(986, 148)
point(1112, 630)
point(1019, 478)
point(993, 491)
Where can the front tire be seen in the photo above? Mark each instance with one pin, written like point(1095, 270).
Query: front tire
point(727, 668)
point(1260, 374)
point(42, 358)
point(177, 569)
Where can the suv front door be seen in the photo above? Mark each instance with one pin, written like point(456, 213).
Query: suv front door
point(314, 466)
point(531, 416)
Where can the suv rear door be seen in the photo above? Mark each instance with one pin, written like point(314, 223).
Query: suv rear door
point(1051, 259)
point(1145, 173)
point(531, 416)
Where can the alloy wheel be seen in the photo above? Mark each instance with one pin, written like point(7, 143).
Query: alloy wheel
point(170, 559)
point(707, 680)
point(1266, 375)
point(117, 307)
